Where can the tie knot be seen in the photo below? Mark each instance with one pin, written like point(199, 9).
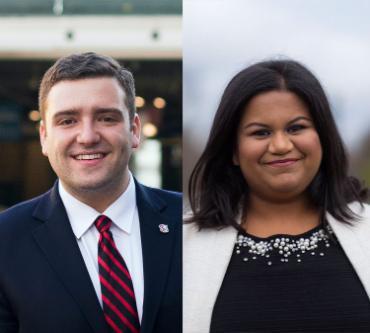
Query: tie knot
point(103, 223)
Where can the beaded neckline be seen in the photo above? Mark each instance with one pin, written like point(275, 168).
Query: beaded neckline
point(283, 248)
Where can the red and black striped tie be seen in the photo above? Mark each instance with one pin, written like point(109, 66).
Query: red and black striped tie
point(116, 285)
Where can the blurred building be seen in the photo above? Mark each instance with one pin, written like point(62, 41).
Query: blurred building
point(144, 35)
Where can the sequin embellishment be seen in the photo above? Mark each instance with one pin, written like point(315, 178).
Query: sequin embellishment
point(285, 246)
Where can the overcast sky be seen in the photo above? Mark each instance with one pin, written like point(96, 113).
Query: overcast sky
point(331, 37)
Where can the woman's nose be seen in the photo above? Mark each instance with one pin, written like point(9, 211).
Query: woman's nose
point(280, 143)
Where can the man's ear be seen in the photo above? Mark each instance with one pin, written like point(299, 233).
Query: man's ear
point(43, 139)
point(135, 131)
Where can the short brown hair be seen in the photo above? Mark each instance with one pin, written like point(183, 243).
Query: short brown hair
point(87, 65)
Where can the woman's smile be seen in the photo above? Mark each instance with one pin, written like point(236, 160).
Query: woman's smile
point(282, 163)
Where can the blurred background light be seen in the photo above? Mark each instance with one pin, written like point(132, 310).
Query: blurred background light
point(159, 102)
point(150, 130)
point(34, 115)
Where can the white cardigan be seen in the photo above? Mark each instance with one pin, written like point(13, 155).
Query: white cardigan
point(207, 253)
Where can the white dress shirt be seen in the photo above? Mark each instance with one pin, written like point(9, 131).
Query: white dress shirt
point(125, 230)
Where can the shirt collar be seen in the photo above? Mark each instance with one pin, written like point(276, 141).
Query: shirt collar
point(82, 216)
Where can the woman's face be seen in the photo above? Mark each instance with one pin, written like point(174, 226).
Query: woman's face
point(278, 149)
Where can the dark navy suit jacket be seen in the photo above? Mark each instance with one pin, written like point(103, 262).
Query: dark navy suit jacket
point(45, 286)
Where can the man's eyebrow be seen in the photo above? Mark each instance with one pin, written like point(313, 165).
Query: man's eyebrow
point(72, 112)
point(64, 113)
point(108, 110)
point(266, 126)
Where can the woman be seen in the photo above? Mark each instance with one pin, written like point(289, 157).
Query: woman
point(279, 236)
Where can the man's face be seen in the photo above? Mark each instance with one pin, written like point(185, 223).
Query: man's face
point(87, 136)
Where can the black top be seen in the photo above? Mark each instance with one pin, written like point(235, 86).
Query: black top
point(283, 283)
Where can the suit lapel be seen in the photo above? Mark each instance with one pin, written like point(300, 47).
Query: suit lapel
point(157, 250)
point(57, 241)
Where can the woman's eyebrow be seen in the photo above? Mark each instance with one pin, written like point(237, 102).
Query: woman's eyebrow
point(289, 122)
point(299, 118)
point(255, 124)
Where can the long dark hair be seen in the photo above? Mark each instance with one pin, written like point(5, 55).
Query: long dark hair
point(217, 187)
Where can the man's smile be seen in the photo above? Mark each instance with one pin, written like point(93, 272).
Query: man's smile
point(90, 156)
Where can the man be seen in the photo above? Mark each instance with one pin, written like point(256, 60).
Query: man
point(99, 252)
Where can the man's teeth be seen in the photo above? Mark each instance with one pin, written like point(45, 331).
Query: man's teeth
point(89, 156)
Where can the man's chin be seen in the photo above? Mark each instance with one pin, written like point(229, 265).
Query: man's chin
point(92, 186)
point(94, 183)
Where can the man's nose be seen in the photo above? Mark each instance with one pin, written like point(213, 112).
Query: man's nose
point(88, 134)
point(280, 143)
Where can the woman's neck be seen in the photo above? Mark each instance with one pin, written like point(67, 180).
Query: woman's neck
point(292, 217)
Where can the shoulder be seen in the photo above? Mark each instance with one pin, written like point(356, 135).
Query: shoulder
point(168, 204)
point(192, 230)
point(193, 237)
point(206, 238)
point(159, 197)
point(17, 225)
point(19, 214)
point(166, 195)
point(362, 212)
point(360, 227)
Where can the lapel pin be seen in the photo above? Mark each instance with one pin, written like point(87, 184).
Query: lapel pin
point(163, 228)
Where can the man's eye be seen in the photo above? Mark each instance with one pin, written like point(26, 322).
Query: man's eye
point(108, 119)
point(295, 128)
point(66, 122)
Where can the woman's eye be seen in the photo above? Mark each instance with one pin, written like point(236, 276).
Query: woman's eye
point(295, 128)
point(261, 133)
